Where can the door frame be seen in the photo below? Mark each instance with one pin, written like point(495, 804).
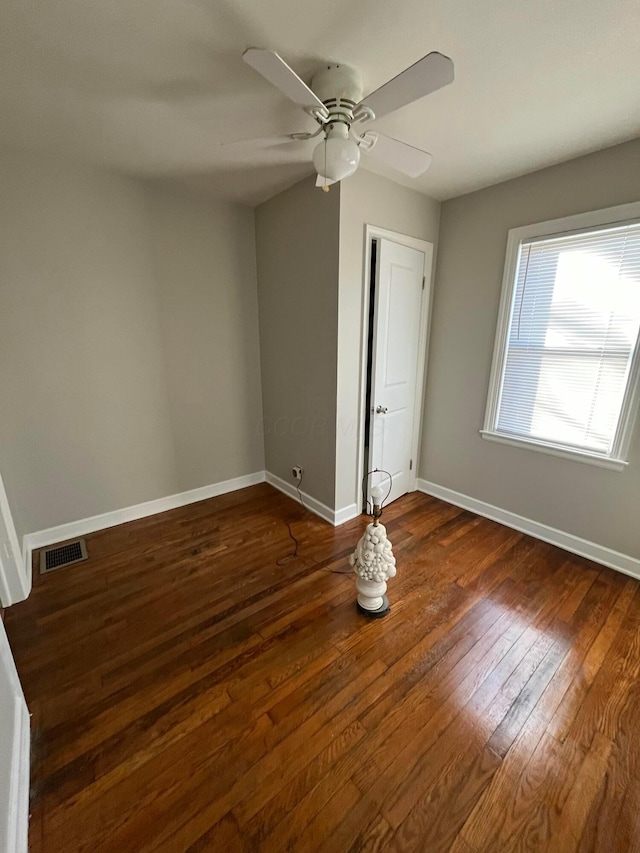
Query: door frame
point(374, 232)
point(15, 573)
point(15, 757)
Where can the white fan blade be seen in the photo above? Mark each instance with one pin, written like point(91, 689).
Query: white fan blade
point(428, 74)
point(324, 182)
point(274, 69)
point(405, 158)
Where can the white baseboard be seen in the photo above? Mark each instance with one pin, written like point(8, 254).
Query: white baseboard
point(310, 503)
point(131, 513)
point(346, 514)
point(598, 553)
point(334, 517)
point(62, 532)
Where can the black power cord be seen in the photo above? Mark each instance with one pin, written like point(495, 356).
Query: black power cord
point(289, 557)
point(283, 560)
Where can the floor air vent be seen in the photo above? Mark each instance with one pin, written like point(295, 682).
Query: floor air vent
point(62, 555)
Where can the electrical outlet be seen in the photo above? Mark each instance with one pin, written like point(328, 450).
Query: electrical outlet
point(297, 472)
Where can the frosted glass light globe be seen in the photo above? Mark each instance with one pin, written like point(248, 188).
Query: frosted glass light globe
point(336, 158)
point(376, 494)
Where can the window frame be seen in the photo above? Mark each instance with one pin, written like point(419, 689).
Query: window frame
point(568, 225)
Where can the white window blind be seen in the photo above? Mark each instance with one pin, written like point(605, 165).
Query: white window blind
point(573, 329)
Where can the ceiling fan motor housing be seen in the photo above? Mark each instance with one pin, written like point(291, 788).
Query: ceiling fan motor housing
point(339, 87)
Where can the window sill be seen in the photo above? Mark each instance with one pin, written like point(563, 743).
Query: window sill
point(555, 450)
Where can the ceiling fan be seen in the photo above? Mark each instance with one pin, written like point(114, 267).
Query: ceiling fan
point(335, 102)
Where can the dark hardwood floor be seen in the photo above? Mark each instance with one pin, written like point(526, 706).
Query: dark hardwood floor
point(189, 693)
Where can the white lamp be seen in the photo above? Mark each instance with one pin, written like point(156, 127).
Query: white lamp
point(337, 156)
point(374, 563)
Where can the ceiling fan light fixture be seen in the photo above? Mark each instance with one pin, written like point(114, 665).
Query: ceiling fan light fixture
point(335, 102)
point(337, 156)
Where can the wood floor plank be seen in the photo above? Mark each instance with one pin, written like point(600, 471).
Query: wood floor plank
point(477, 831)
point(609, 695)
point(579, 688)
point(526, 701)
point(278, 765)
point(260, 816)
point(195, 687)
point(225, 835)
point(527, 817)
point(585, 787)
point(443, 807)
point(614, 821)
point(372, 839)
point(460, 846)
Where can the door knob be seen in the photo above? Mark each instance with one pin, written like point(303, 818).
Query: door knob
point(381, 410)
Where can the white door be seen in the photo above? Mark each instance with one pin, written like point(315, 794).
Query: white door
point(14, 755)
point(397, 350)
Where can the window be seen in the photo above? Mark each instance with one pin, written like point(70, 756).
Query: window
point(565, 367)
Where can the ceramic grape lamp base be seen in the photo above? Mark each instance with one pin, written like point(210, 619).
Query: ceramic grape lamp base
point(374, 563)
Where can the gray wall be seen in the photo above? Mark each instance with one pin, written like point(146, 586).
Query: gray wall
point(597, 504)
point(204, 253)
point(84, 421)
point(129, 362)
point(366, 199)
point(297, 234)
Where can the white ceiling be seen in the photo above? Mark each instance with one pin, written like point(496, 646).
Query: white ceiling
point(152, 87)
